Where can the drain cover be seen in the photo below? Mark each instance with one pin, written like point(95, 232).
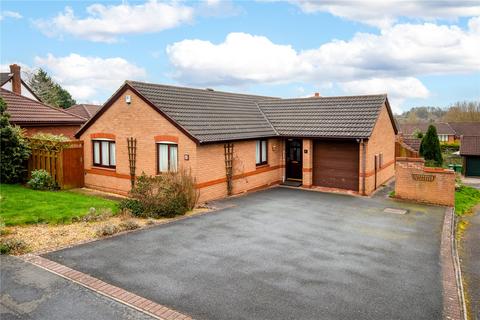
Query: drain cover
point(396, 211)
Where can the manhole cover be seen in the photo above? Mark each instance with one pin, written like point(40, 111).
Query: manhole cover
point(394, 210)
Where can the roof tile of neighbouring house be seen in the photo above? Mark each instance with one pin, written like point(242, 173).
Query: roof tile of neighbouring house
point(442, 128)
point(336, 117)
point(84, 110)
point(209, 115)
point(4, 77)
point(413, 143)
point(466, 128)
point(25, 111)
point(470, 146)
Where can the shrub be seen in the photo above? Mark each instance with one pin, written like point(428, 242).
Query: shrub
point(14, 149)
point(450, 147)
point(42, 180)
point(131, 205)
point(165, 195)
point(129, 225)
point(48, 141)
point(93, 215)
point(12, 245)
point(430, 146)
point(106, 230)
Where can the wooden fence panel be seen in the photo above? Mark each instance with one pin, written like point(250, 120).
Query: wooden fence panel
point(65, 165)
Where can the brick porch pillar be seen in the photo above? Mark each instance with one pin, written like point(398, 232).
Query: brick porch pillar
point(307, 162)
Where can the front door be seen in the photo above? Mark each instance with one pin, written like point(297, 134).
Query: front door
point(294, 156)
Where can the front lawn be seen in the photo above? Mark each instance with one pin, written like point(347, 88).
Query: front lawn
point(20, 205)
point(465, 199)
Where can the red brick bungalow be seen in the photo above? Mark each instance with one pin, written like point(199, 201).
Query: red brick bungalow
point(334, 142)
point(35, 116)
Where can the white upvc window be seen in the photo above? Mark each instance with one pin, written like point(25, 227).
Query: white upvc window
point(167, 157)
point(104, 153)
point(261, 148)
point(443, 137)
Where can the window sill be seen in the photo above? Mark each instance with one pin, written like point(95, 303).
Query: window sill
point(104, 168)
point(263, 165)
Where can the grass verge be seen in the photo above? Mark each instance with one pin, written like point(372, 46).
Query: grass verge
point(465, 199)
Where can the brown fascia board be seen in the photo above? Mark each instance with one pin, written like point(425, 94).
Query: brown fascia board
point(390, 113)
point(284, 137)
point(46, 123)
point(115, 97)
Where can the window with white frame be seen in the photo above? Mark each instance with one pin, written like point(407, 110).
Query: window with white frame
point(167, 157)
point(261, 152)
point(104, 153)
point(443, 137)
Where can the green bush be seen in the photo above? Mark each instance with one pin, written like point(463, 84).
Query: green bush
point(450, 147)
point(42, 180)
point(14, 149)
point(165, 195)
point(12, 245)
point(430, 147)
point(129, 225)
point(107, 230)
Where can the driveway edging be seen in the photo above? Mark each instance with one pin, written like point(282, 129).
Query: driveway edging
point(118, 294)
point(453, 296)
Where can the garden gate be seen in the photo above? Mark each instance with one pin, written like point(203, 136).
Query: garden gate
point(63, 160)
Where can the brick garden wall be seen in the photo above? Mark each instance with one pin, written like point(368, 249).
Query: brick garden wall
point(416, 182)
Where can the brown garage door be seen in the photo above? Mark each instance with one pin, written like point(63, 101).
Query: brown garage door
point(335, 164)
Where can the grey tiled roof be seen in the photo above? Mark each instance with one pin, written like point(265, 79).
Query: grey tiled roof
point(214, 116)
point(339, 117)
point(209, 115)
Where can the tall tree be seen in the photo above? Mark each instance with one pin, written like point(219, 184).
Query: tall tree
point(49, 91)
point(14, 149)
point(430, 146)
point(464, 111)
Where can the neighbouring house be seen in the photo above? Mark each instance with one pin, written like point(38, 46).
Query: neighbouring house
point(35, 116)
point(446, 134)
point(83, 110)
point(12, 81)
point(465, 129)
point(335, 142)
point(470, 151)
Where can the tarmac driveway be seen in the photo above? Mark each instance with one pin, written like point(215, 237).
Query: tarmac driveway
point(281, 254)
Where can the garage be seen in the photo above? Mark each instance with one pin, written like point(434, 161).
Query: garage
point(336, 164)
point(470, 151)
point(472, 166)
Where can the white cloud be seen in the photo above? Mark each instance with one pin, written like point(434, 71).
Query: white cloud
point(398, 54)
point(87, 78)
point(383, 13)
point(398, 89)
point(105, 23)
point(10, 14)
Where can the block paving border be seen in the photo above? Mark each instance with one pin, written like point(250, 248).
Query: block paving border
point(453, 307)
point(130, 299)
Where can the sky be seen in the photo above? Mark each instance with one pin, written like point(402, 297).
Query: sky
point(421, 53)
